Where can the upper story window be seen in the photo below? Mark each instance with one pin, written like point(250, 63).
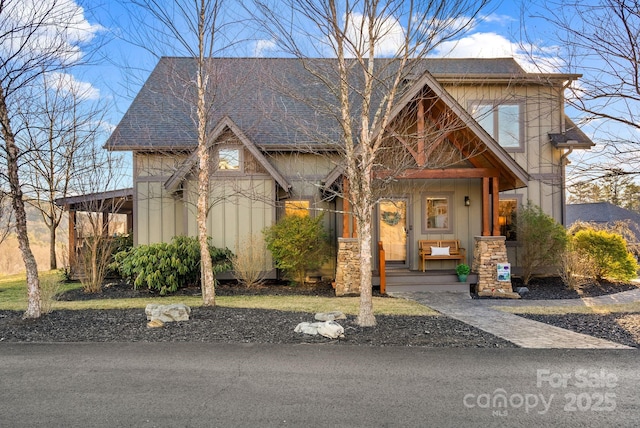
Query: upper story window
point(502, 121)
point(229, 159)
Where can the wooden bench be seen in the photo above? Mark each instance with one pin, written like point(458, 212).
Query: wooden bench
point(455, 252)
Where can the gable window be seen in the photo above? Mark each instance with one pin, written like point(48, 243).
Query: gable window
point(299, 208)
point(502, 121)
point(437, 213)
point(507, 211)
point(229, 159)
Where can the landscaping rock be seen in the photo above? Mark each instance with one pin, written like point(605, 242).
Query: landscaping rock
point(155, 324)
point(167, 313)
point(522, 290)
point(330, 329)
point(330, 316)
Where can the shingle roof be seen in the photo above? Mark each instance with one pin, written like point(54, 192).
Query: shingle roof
point(275, 101)
point(603, 212)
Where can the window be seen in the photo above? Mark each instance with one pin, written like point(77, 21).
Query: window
point(503, 122)
point(507, 211)
point(299, 208)
point(437, 211)
point(229, 159)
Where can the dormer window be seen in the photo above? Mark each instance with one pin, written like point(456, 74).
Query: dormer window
point(229, 159)
point(502, 121)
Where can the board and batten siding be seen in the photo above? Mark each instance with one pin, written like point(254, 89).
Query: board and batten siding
point(239, 208)
point(159, 216)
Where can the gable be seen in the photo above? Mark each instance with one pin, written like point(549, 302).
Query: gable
point(227, 135)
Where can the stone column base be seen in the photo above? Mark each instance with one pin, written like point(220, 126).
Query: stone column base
point(348, 267)
point(487, 253)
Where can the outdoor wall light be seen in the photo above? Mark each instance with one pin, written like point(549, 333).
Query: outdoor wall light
point(467, 201)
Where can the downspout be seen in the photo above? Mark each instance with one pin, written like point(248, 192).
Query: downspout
point(564, 162)
point(563, 158)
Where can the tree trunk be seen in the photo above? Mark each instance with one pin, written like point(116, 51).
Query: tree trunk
point(53, 260)
point(207, 279)
point(33, 283)
point(365, 315)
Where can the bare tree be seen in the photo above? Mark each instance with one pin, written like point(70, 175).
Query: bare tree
point(599, 38)
point(365, 89)
point(192, 28)
point(6, 216)
point(60, 129)
point(94, 256)
point(36, 38)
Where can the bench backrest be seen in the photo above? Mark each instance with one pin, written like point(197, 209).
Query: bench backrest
point(426, 244)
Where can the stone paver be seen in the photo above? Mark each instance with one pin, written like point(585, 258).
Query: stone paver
point(520, 331)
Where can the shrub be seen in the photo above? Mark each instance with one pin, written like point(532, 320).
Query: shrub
point(168, 266)
point(577, 268)
point(608, 254)
point(298, 244)
point(50, 287)
point(250, 260)
point(541, 238)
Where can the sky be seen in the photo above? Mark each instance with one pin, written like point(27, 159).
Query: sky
point(120, 73)
point(118, 67)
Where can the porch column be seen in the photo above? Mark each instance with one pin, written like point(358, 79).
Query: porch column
point(485, 207)
point(488, 252)
point(72, 238)
point(348, 267)
point(105, 224)
point(495, 202)
point(348, 221)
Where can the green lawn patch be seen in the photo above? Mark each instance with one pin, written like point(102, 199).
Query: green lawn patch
point(13, 296)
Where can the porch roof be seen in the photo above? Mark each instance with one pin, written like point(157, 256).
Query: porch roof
point(488, 160)
point(119, 201)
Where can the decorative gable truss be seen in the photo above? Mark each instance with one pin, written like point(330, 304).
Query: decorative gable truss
point(233, 155)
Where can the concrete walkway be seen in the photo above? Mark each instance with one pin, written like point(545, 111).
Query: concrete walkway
point(520, 331)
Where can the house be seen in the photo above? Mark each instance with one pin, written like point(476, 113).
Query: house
point(476, 139)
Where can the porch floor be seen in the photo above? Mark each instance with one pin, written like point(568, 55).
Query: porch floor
point(402, 280)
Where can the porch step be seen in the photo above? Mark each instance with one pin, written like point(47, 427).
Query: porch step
point(405, 280)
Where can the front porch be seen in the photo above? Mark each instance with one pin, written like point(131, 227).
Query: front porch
point(405, 280)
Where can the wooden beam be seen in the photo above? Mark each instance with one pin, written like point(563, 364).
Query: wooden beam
point(421, 158)
point(345, 208)
point(440, 173)
point(485, 207)
point(495, 193)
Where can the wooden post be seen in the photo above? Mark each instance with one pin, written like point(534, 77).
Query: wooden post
point(485, 207)
point(72, 239)
point(345, 208)
point(382, 268)
point(495, 205)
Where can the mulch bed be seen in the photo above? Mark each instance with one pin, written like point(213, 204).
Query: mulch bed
point(221, 324)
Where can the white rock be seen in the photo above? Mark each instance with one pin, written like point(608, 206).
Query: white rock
point(168, 313)
point(330, 316)
point(330, 329)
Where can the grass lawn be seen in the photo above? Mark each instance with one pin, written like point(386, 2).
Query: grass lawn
point(13, 296)
point(560, 310)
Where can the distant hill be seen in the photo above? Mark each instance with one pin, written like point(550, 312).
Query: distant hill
point(10, 257)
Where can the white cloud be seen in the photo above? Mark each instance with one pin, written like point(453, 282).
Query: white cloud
point(60, 31)
point(532, 58)
point(389, 32)
point(69, 84)
point(262, 46)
